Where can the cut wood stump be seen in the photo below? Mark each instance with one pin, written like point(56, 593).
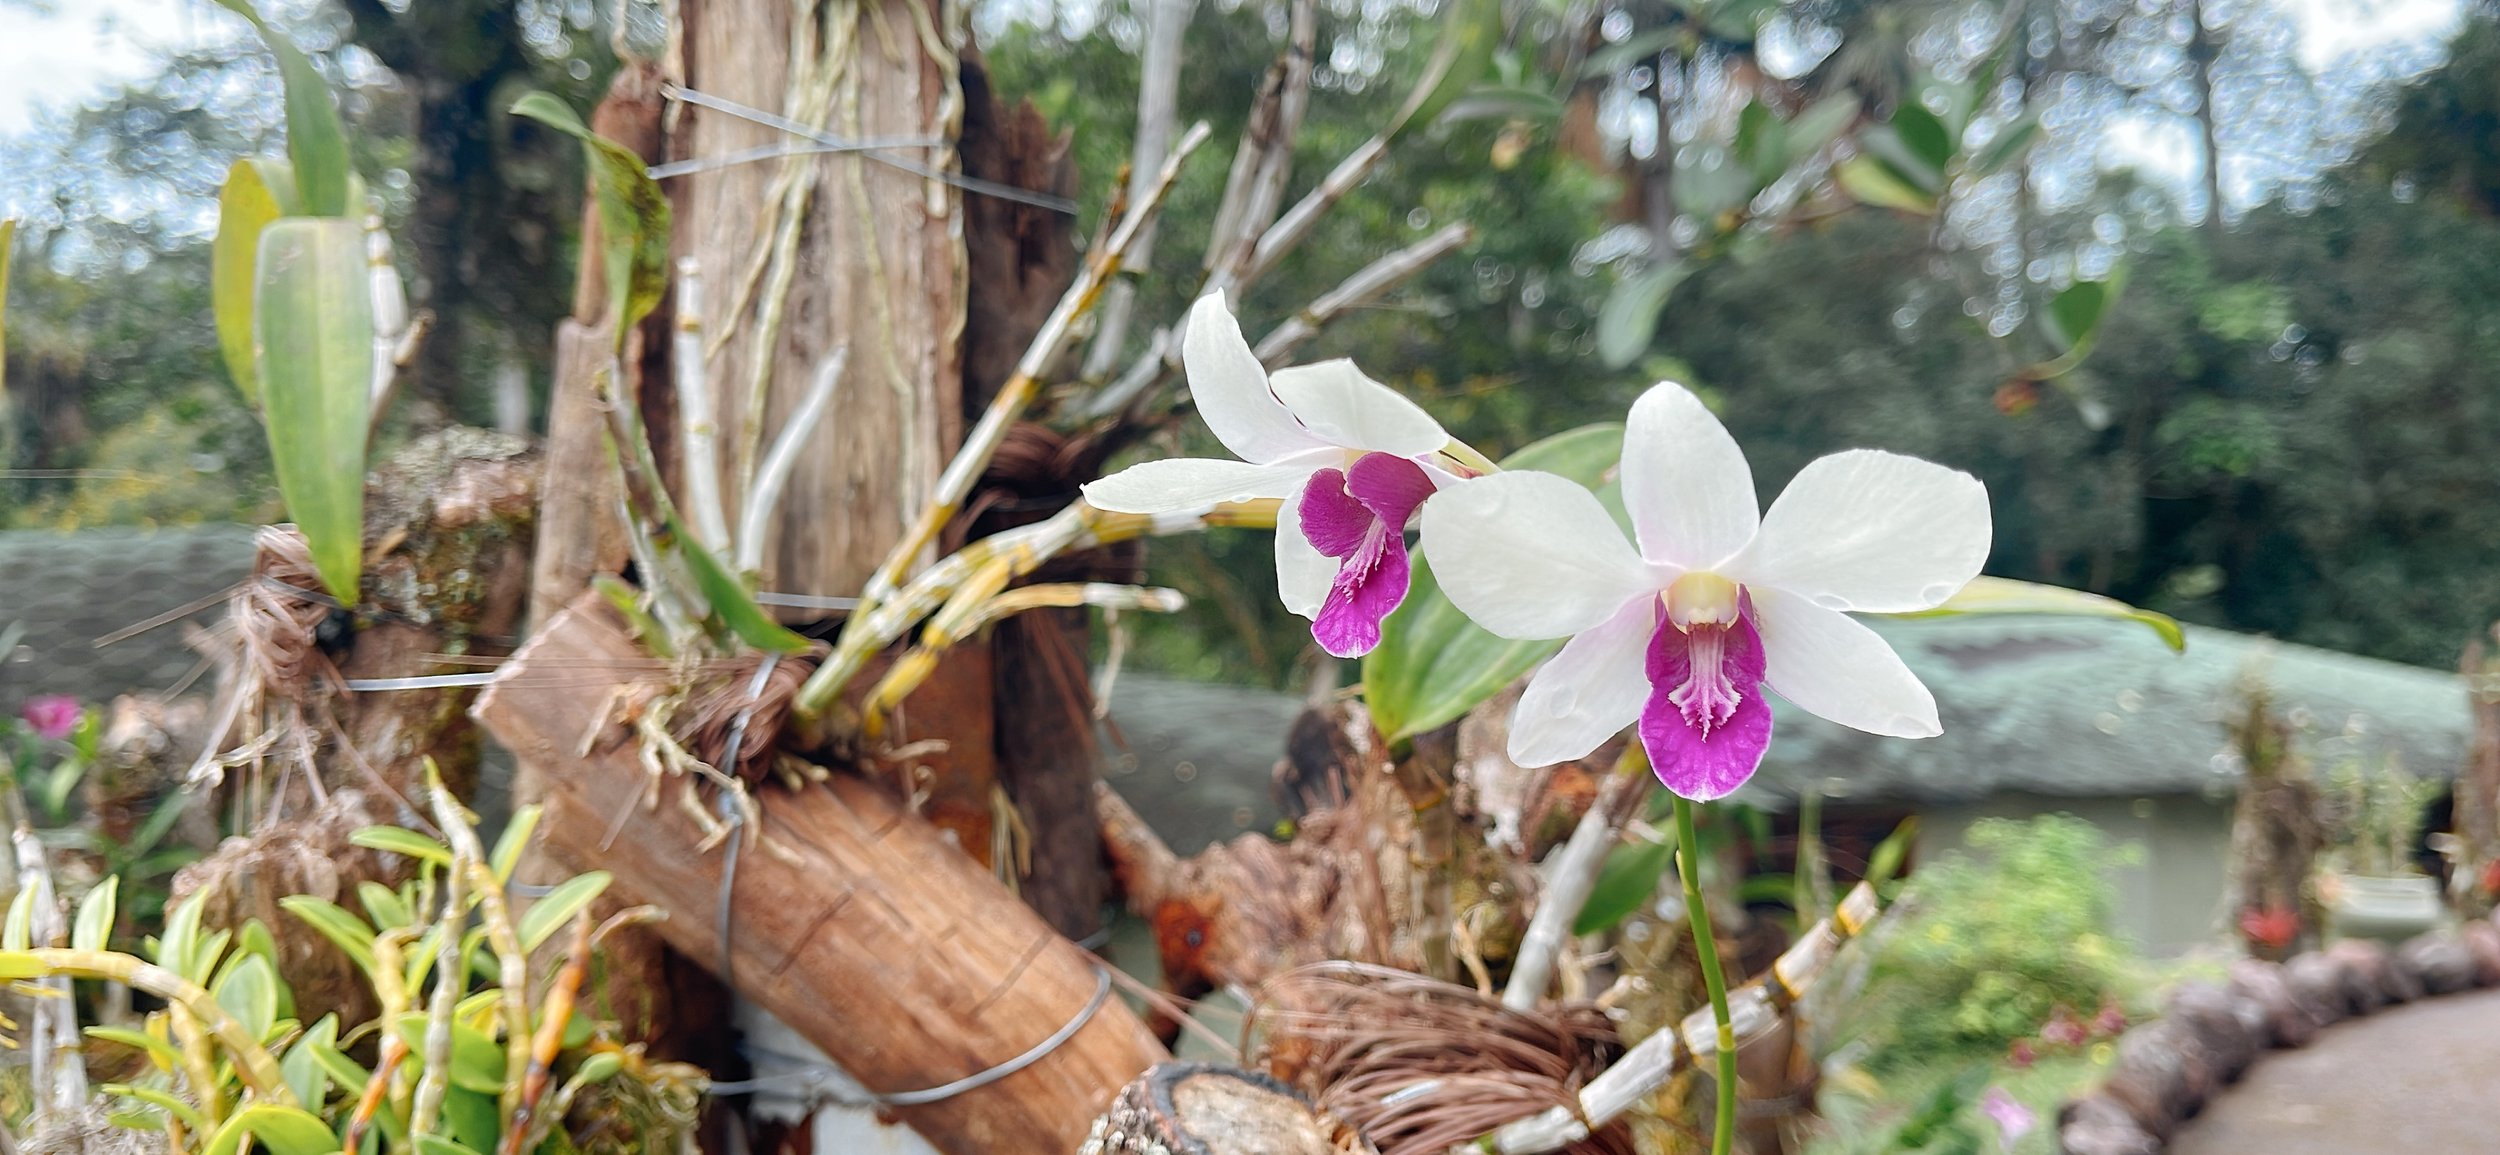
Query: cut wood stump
point(1201, 1109)
point(858, 924)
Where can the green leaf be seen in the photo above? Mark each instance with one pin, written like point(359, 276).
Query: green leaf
point(316, 141)
point(1821, 123)
point(245, 206)
point(1885, 863)
point(249, 992)
point(1630, 316)
point(1925, 135)
point(437, 1145)
point(1470, 31)
point(1488, 102)
point(168, 1102)
point(312, 319)
point(19, 934)
point(94, 924)
point(2074, 316)
point(730, 598)
point(1996, 595)
point(559, 906)
point(1884, 143)
point(383, 905)
point(336, 924)
point(283, 1130)
point(1872, 182)
point(401, 840)
point(1433, 664)
point(2009, 143)
point(506, 857)
point(182, 934)
point(1629, 876)
point(633, 214)
point(306, 1073)
point(157, 1050)
point(1762, 142)
point(472, 1119)
point(477, 1061)
point(344, 1071)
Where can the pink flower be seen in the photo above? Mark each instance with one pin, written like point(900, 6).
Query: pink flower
point(2013, 1120)
point(53, 716)
point(1716, 600)
point(1350, 458)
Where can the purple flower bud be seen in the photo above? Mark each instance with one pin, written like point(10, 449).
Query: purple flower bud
point(53, 716)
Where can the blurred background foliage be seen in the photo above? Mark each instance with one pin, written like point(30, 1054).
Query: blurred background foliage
point(2285, 425)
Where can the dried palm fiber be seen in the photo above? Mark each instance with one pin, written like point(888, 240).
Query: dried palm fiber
point(725, 690)
point(1421, 1066)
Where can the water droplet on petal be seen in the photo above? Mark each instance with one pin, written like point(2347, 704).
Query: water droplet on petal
point(1830, 601)
point(1937, 593)
point(1563, 703)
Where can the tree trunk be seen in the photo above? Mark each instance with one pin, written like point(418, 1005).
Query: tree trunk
point(856, 922)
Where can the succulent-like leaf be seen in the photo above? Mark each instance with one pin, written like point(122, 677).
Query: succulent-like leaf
point(312, 320)
point(1996, 595)
point(633, 214)
point(316, 140)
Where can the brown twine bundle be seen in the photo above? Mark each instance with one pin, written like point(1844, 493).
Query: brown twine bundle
point(1422, 1066)
point(728, 690)
point(277, 615)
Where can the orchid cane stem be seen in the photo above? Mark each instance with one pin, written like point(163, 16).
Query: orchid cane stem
point(1688, 864)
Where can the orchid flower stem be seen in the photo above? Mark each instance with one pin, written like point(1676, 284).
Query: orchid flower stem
point(1688, 864)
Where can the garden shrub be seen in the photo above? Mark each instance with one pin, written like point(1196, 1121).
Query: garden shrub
point(1990, 946)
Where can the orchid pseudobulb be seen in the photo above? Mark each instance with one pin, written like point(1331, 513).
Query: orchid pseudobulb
point(1350, 458)
point(1718, 601)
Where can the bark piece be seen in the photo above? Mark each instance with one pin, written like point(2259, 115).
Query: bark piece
point(2440, 961)
point(1202, 1109)
point(860, 925)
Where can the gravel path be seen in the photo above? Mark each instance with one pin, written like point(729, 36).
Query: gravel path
point(2418, 1078)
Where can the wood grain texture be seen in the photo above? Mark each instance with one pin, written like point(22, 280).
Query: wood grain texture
point(870, 934)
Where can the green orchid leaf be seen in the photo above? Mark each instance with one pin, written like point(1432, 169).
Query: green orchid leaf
point(633, 214)
point(94, 923)
point(316, 140)
point(477, 1060)
point(1995, 595)
point(256, 192)
point(730, 598)
point(249, 992)
point(312, 320)
point(1870, 181)
point(1470, 31)
point(400, 840)
point(1629, 317)
point(1433, 664)
point(307, 1075)
point(335, 923)
point(1624, 883)
point(561, 903)
point(283, 1130)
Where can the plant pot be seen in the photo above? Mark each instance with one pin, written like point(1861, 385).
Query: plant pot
point(2389, 908)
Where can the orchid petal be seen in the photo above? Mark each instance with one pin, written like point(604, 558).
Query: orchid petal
point(1870, 531)
point(1230, 387)
point(1587, 693)
point(1697, 762)
point(1831, 665)
point(1685, 483)
point(1184, 483)
point(1343, 407)
point(1303, 573)
point(1390, 487)
point(1531, 555)
point(1333, 520)
point(1368, 586)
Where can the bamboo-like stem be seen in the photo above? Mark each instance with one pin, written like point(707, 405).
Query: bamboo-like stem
point(1295, 226)
point(449, 976)
point(1267, 144)
point(1367, 283)
point(1057, 331)
point(57, 1073)
point(368, 1104)
point(1697, 912)
point(1158, 99)
point(697, 414)
point(529, 1128)
point(389, 303)
point(252, 1063)
point(771, 477)
point(977, 604)
point(1756, 1009)
point(1569, 880)
point(1080, 526)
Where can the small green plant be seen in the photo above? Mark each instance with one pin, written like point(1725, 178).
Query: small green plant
point(1991, 946)
point(2381, 808)
point(472, 1055)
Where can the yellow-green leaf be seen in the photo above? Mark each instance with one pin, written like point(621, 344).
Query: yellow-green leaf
point(249, 200)
point(313, 326)
point(1871, 182)
point(730, 598)
point(477, 1061)
point(633, 214)
point(1630, 875)
point(559, 906)
point(157, 1050)
point(335, 923)
point(95, 915)
point(307, 1072)
point(1995, 595)
point(515, 839)
point(1433, 664)
point(170, 1103)
point(401, 840)
point(249, 992)
point(283, 1130)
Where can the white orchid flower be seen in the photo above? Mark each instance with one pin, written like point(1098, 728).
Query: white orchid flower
point(1718, 601)
point(1349, 456)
